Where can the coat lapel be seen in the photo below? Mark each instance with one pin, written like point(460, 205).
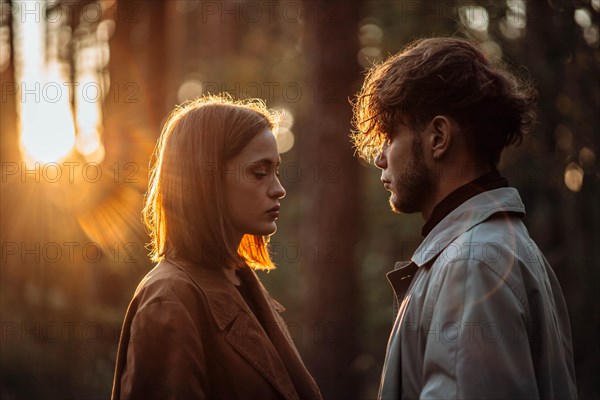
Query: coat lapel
point(249, 339)
point(242, 330)
point(400, 279)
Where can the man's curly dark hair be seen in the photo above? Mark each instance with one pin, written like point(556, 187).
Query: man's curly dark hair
point(443, 76)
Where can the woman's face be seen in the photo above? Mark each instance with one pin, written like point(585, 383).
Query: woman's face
point(252, 187)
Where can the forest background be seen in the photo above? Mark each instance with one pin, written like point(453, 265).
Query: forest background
point(86, 85)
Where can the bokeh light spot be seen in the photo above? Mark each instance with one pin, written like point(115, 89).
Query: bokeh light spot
point(583, 18)
point(573, 177)
point(285, 139)
point(587, 158)
point(189, 89)
point(474, 17)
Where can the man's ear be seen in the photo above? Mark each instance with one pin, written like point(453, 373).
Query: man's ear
point(441, 136)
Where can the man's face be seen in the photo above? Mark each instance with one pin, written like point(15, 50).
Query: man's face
point(404, 172)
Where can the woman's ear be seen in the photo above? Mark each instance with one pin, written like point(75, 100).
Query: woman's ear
point(441, 135)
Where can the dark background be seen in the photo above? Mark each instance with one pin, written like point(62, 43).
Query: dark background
point(73, 244)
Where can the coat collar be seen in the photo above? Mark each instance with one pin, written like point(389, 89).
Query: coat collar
point(469, 214)
point(224, 301)
point(400, 279)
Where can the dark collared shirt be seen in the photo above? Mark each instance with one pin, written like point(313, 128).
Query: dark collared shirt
point(489, 181)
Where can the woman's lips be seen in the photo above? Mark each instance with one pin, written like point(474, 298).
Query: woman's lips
point(274, 212)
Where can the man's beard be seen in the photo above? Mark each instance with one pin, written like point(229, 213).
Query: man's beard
point(413, 184)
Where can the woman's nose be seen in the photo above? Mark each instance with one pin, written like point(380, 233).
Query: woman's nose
point(277, 190)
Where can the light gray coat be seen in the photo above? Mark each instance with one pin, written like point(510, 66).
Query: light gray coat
point(481, 312)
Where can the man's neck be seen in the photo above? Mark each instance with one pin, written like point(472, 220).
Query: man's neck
point(450, 178)
point(488, 181)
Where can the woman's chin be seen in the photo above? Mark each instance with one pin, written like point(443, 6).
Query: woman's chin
point(271, 229)
point(266, 230)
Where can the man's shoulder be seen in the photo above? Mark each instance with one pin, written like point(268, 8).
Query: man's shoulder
point(501, 236)
point(501, 239)
point(499, 246)
point(478, 214)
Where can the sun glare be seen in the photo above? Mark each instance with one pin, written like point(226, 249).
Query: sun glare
point(88, 118)
point(47, 127)
point(46, 121)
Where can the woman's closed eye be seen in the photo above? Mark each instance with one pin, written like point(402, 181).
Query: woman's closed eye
point(264, 169)
point(260, 173)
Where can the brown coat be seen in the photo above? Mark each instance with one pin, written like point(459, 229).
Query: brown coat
point(189, 334)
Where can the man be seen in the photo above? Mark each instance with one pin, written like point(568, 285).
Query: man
point(481, 312)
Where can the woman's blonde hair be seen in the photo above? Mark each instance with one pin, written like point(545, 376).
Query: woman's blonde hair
point(184, 208)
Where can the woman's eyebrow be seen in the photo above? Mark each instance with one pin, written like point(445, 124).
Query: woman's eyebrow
point(266, 161)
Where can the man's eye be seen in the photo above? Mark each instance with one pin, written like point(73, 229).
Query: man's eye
point(259, 173)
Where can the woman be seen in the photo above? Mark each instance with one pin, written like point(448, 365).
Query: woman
point(201, 325)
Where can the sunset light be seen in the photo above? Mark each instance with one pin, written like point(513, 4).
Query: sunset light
point(46, 122)
point(311, 199)
point(56, 115)
point(47, 128)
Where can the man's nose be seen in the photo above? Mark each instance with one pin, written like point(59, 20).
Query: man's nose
point(380, 160)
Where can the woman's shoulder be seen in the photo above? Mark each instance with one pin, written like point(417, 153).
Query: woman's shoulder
point(167, 282)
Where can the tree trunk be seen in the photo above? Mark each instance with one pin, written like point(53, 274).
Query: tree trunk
point(331, 229)
point(10, 94)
